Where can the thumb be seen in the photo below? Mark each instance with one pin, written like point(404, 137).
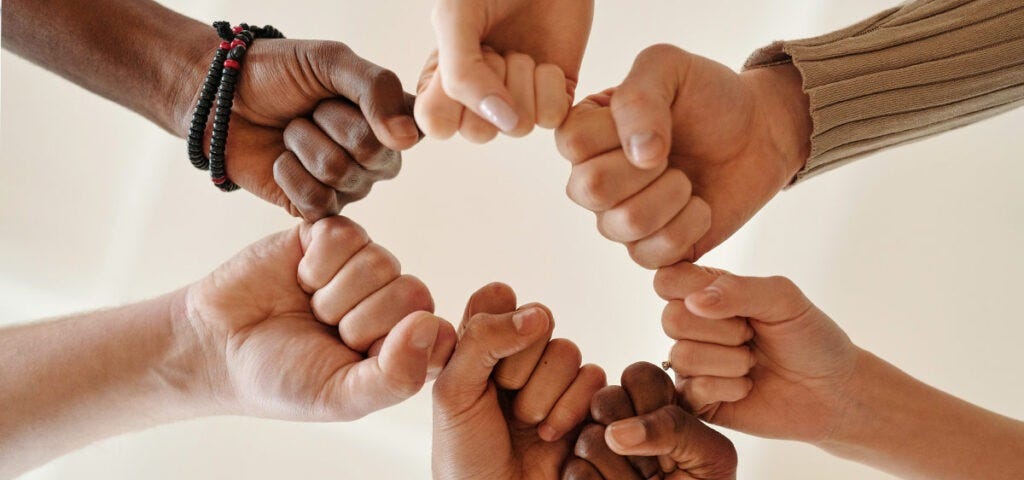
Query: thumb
point(377, 91)
point(395, 374)
point(642, 105)
point(465, 76)
point(488, 339)
point(767, 299)
point(696, 448)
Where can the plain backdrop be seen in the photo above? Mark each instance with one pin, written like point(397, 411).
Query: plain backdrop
point(914, 251)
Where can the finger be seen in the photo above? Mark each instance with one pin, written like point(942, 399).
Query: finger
point(467, 77)
point(376, 315)
point(647, 211)
point(327, 246)
point(346, 127)
point(376, 90)
point(473, 127)
point(442, 350)
point(572, 407)
point(553, 101)
point(591, 447)
point(681, 324)
point(678, 281)
point(700, 393)
point(519, 81)
point(648, 386)
point(494, 298)
point(488, 339)
point(642, 105)
point(580, 469)
point(607, 180)
point(369, 270)
point(309, 198)
point(695, 447)
point(767, 299)
point(611, 404)
point(675, 241)
point(691, 359)
point(588, 131)
point(324, 159)
point(555, 371)
point(436, 113)
point(513, 372)
point(396, 374)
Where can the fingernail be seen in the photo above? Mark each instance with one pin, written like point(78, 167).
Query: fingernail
point(628, 433)
point(644, 148)
point(708, 297)
point(424, 336)
point(403, 127)
point(499, 112)
point(527, 321)
point(547, 433)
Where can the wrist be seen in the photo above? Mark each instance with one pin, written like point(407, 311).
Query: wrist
point(191, 367)
point(785, 110)
point(872, 406)
point(185, 77)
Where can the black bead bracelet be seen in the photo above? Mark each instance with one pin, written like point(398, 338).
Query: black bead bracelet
point(220, 84)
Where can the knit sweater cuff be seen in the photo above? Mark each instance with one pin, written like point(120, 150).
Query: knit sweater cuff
point(909, 72)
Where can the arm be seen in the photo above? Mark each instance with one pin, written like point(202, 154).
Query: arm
point(313, 125)
point(899, 424)
point(135, 52)
point(71, 381)
point(315, 323)
point(755, 355)
point(906, 73)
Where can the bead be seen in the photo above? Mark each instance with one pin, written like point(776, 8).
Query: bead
point(236, 29)
point(230, 63)
point(225, 45)
point(237, 53)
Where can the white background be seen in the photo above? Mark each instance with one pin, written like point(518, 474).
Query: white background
point(914, 251)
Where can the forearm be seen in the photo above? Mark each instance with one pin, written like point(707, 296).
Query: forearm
point(74, 380)
point(134, 52)
point(898, 424)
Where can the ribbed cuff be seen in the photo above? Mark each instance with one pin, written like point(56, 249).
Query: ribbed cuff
point(905, 73)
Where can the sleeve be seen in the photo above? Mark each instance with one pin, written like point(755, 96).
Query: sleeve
point(919, 69)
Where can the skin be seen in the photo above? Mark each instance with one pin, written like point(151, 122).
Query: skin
point(264, 335)
point(717, 146)
point(478, 81)
point(755, 355)
point(640, 419)
point(313, 125)
point(482, 430)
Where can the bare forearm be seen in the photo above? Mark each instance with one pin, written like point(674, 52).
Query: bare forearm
point(903, 426)
point(71, 381)
point(134, 52)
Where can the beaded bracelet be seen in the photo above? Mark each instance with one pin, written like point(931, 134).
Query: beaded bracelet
point(220, 83)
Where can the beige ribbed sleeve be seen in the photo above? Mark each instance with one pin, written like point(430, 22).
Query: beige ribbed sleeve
point(912, 71)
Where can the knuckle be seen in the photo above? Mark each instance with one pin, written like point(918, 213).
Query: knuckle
point(589, 189)
point(315, 203)
point(383, 81)
point(665, 282)
point(340, 231)
point(678, 178)
point(381, 263)
point(564, 350)
point(590, 442)
point(673, 320)
point(629, 223)
point(683, 356)
point(646, 258)
point(661, 50)
point(416, 294)
point(516, 59)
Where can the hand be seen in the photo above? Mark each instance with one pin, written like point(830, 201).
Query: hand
point(754, 355)
point(313, 125)
point(640, 419)
point(551, 34)
point(315, 323)
point(483, 430)
point(539, 92)
point(737, 138)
